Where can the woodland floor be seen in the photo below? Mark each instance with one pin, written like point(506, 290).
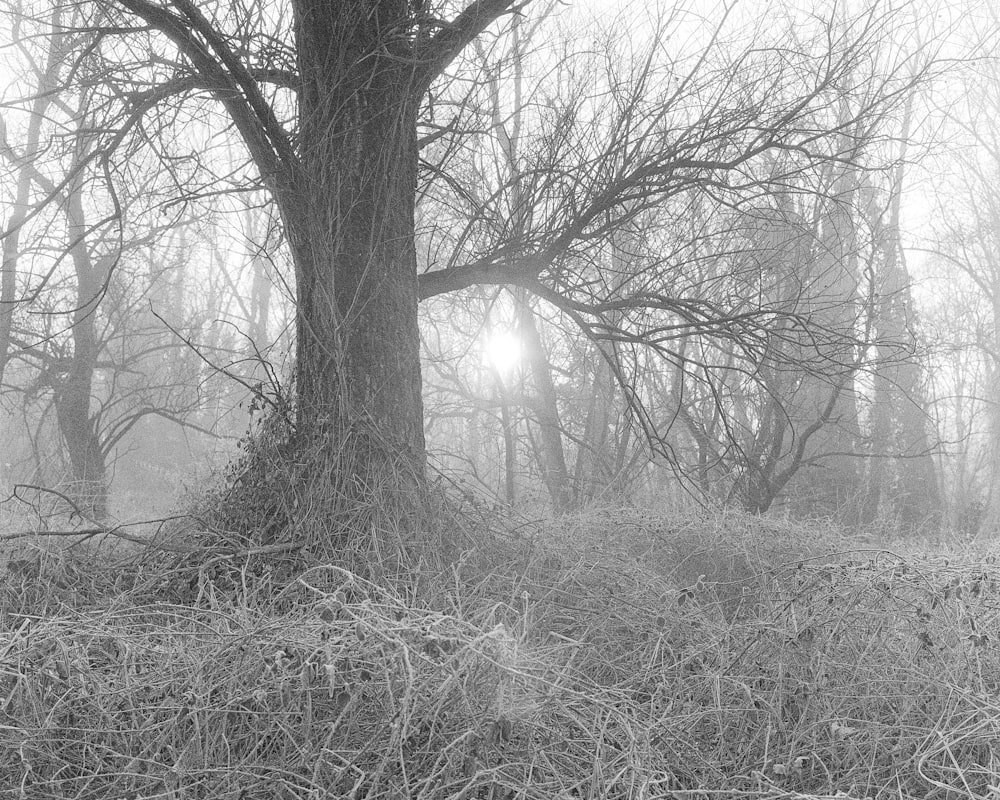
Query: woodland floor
point(616, 654)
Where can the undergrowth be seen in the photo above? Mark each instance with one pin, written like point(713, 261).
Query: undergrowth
point(608, 656)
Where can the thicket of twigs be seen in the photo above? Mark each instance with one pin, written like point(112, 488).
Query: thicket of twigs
point(614, 655)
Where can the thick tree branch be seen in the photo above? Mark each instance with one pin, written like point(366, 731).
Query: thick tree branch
point(483, 273)
point(439, 51)
point(272, 155)
point(239, 73)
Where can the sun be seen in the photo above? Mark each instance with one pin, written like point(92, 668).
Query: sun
point(502, 351)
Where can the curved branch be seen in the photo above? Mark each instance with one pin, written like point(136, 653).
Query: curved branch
point(442, 48)
point(239, 73)
point(268, 145)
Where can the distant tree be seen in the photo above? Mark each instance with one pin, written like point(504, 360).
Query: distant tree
point(901, 481)
point(775, 416)
point(957, 330)
point(43, 79)
point(966, 254)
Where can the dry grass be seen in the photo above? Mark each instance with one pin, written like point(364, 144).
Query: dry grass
point(615, 655)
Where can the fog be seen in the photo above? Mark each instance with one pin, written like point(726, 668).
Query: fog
point(679, 256)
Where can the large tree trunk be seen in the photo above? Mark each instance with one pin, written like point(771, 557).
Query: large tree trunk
point(344, 466)
point(350, 226)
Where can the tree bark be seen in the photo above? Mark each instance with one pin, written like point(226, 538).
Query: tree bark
point(349, 222)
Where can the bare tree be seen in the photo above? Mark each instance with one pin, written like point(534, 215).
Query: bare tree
point(901, 483)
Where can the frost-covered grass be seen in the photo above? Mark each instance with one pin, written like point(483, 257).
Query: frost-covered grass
point(619, 654)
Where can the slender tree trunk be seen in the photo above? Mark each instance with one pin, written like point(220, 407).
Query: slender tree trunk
point(8, 279)
point(544, 403)
point(260, 291)
point(899, 424)
point(73, 392)
point(22, 193)
point(594, 471)
point(625, 461)
point(990, 522)
point(509, 445)
point(899, 419)
point(595, 462)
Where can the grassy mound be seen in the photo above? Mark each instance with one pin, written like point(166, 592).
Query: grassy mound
point(616, 655)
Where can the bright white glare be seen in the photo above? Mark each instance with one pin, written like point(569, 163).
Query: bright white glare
point(502, 351)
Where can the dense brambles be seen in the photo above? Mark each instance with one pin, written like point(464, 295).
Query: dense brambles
point(580, 659)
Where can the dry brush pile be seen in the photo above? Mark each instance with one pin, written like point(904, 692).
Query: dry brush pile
point(572, 663)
